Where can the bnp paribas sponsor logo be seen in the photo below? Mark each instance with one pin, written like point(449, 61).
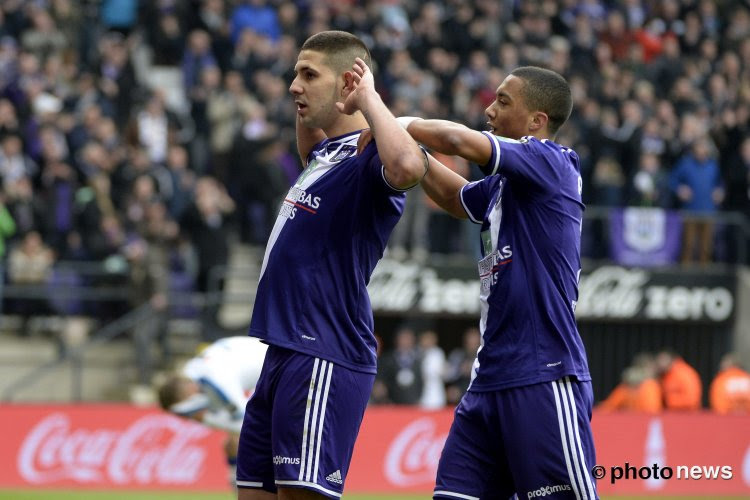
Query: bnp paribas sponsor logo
point(299, 199)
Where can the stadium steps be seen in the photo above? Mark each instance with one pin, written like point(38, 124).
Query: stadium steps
point(243, 272)
point(104, 369)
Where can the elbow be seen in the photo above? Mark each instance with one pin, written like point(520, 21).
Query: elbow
point(406, 171)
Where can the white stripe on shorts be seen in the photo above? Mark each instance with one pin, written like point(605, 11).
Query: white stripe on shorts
point(455, 495)
point(305, 432)
point(314, 426)
point(561, 423)
point(589, 485)
point(566, 402)
point(249, 484)
point(309, 485)
point(322, 420)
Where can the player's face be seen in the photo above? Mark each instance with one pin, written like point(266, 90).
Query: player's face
point(508, 115)
point(315, 89)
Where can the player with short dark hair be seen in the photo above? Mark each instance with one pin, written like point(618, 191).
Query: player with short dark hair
point(524, 424)
point(312, 306)
point(213, 387)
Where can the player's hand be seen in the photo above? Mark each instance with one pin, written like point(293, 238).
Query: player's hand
point(362, 84)
point(365, 137)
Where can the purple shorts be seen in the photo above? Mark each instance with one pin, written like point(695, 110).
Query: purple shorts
point(533, 441)
point(301, 423)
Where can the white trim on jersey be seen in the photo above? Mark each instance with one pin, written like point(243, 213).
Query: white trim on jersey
point(312, 432)
point(325, 164)
point(309, 485)
point(496, 148)
point(570, 438)
point(249, 484)
point(463, 204)
point(454, 495)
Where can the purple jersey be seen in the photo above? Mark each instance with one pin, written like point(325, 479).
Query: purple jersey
point(530, 213)
point(330, 233)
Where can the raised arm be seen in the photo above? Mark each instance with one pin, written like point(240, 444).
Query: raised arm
point(451, 138)
point(307, 138)
point(404, 162)
point(443, 186)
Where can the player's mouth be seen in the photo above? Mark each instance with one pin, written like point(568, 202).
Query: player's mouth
point(491, 128)
point(301, 107)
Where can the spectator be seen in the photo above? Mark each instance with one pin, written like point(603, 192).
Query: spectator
point(680, 383)
point(7, 229)
point(650, 185)
point(696, 181)
point(638, 391)
point(30, 263)
point(433, 366)
point(401, 369)
point(197, 57)
point(458, 371)
point(226, 113)
point(730, 389)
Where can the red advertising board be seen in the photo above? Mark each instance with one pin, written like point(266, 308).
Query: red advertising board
point(122, 447)
point(107, 447)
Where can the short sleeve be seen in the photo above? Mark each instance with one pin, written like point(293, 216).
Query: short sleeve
point(530, 160)
point(376, 169)
point(476, 197)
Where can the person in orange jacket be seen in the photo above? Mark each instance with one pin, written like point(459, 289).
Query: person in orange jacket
point(680, 383)
point(730, 390)
point(638, 391)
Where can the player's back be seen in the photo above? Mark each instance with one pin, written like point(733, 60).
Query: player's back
point(331, 231)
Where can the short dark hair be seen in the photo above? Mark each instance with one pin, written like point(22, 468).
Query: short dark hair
point(340, 49)
point(546, 91)
point(172, 390)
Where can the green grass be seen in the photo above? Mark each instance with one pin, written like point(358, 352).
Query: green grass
point(157, 495)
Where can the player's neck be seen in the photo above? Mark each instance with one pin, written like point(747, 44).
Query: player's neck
point(345, 124)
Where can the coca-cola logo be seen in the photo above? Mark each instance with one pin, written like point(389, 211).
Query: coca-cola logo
point(155, 449)
point(413, 456)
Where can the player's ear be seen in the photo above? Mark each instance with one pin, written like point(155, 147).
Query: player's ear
point(539, 120)
point(349, 85)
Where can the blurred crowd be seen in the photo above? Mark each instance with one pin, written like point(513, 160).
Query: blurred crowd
point(665, 381)
point(416, 371)
point(101, 158)
point(149, 136)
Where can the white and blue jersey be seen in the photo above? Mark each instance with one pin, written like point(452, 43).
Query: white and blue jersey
point(330, 233)
point(530, 211)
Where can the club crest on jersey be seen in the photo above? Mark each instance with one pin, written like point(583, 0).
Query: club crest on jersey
point(345, 152)
point(299, 199)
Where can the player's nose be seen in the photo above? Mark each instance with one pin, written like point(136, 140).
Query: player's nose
point(295, 88)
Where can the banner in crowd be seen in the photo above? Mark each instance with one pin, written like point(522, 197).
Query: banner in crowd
point(605, 293)
point(644, 237)
point(116, 447)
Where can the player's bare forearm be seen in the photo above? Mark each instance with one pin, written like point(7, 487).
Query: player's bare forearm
point(307, 138)
point(452, 139)
point(403, 160)
point(443, 186)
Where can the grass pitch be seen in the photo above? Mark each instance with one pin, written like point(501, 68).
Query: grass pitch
point(159, 495)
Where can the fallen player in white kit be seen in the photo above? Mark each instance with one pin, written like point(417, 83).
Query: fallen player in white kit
point(214, 386)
